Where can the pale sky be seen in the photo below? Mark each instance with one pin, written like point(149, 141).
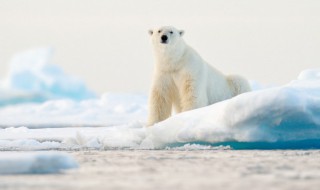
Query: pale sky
point(105, 42)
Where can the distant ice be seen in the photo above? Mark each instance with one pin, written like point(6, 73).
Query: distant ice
point(33, 78)
point(35, 162)
point(37, 93)
point(310, 74)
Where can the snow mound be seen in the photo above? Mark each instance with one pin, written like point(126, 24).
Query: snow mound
point(33, 78)
point(289, 113)
point(35, 163)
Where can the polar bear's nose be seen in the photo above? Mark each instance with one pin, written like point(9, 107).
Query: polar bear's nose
point(164, 38)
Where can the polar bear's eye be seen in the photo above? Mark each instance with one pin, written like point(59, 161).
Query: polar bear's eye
point(159, 31)
point(171, 32)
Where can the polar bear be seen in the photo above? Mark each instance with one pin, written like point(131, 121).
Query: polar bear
point(182, 80)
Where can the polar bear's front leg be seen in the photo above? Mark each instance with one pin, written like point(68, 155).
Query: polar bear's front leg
point(160, 104)
point(188, 94)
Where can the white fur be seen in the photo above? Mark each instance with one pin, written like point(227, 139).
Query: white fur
point(183, 80)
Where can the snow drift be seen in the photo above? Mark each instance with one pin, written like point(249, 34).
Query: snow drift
point(35, 163)
point(279, 117)
point(287, 116)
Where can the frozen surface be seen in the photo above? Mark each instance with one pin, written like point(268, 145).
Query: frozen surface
point(108, 110)
point(22, 138)
point(68, 115)
point(33, 78)
point(279, 117)
point(35, 162)
point(179, 169)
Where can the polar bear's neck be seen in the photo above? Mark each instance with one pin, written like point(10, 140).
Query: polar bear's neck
point(169, 58)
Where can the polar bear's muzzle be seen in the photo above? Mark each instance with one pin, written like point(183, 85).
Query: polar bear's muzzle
point(164, 39)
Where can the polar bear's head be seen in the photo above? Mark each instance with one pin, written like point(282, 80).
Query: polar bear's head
point(166, 37)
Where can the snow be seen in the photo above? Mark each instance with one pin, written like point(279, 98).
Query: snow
point(35, 162)
point(310, 74)
point(37, 93)
point(284, 114)
point(42, 113)
point(33, 78)
point(109, 110)
point(280, 117)
point(72, 138)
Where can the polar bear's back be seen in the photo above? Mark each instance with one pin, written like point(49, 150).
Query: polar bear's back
point(238, 84)
point(221, 87)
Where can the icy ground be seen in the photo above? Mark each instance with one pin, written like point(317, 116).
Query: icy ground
point(183, 170)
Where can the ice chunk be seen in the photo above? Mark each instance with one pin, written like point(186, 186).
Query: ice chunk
point(32, 77)
point(310, 74)
point(35, 162)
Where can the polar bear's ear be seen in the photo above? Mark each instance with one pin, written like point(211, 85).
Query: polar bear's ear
point(181, 32)
point(150, 32)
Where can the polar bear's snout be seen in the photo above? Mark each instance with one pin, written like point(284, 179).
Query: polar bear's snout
point(164, 39)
